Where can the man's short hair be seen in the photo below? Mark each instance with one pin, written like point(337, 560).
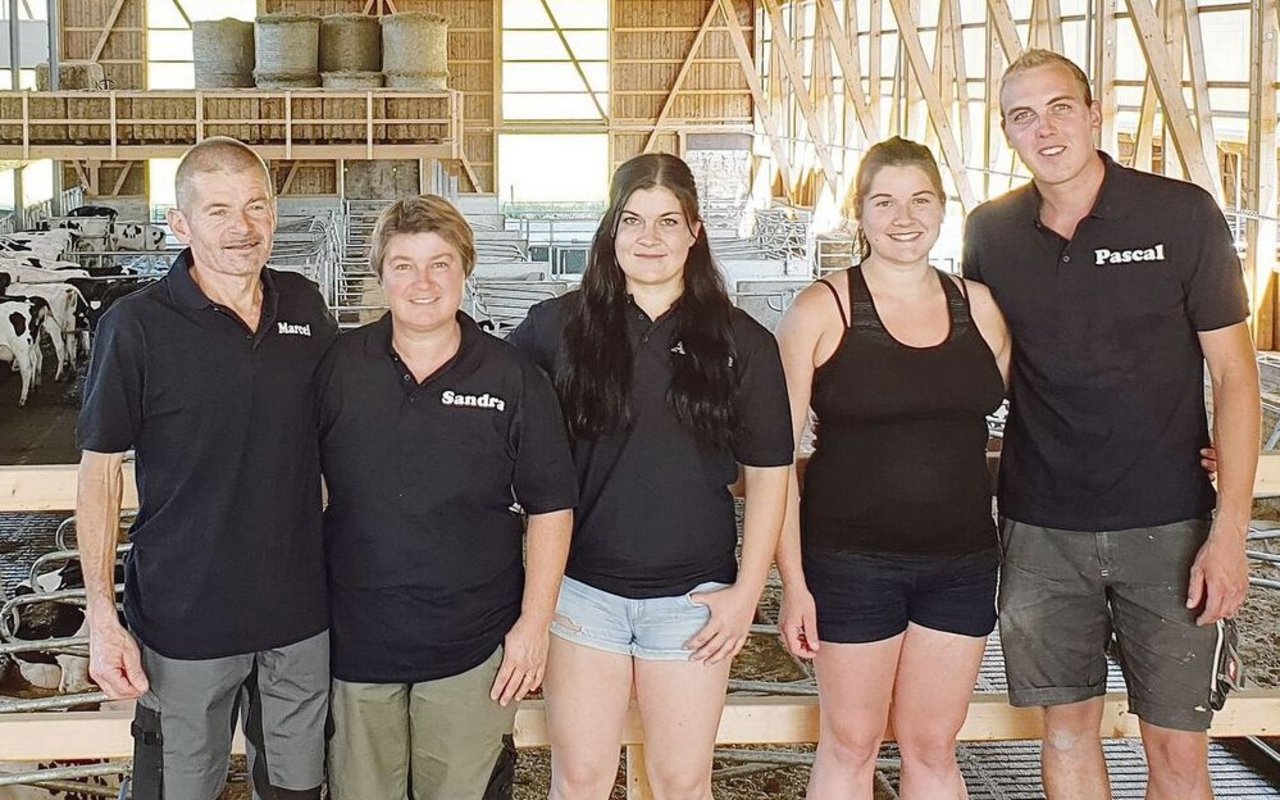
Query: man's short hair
point(428, 213)
point(1037, 57)
point(216, 154)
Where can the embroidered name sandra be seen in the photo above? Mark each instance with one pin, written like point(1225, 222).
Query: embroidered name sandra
point(296, 330)
point(1104, 256)
point(486, 400)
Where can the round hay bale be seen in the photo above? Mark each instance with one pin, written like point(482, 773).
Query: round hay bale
point(421, 81)
point(352, 79)
point(223, 53)
point(415, 43)
point(350, 43)
point(286, 51)
point(72, 75)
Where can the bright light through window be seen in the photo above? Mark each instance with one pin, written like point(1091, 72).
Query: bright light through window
point(555, 66)
point(533, 167)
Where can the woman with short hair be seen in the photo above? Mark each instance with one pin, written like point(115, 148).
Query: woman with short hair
point(430, 430)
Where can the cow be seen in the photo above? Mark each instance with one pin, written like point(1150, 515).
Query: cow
point(114, 291)
point(20, 274)
point(69, 331)
point(94, 211)
point(135, 236)
point(20, 324)
point(61, 240)
point(34, 262)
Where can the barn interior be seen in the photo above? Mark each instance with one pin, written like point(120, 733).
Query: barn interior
point(518, 111)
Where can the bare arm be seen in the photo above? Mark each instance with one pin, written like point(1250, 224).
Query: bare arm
point(114, 661)
point(525, 647)
point(992, 326)
point(1220, 575)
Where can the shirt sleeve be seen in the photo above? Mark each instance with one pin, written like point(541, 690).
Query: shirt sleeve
point(970, 266)
point(764, 411)
point(111, 414)
point(1215, 289)
point(531, 336)
point(544, 478)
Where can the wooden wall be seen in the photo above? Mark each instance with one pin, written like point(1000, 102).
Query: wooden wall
point(112, 32)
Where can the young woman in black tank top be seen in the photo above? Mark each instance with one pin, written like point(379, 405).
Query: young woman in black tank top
point(889, 558)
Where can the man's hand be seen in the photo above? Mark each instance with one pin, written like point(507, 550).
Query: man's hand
point(798, 622)
point(1219, 579)
point(732, 611)
point(1209, 462)
point(115, 663)
point(524, 661)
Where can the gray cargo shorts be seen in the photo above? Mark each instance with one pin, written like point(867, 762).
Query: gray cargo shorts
point(183, 725)
point(1064, 595)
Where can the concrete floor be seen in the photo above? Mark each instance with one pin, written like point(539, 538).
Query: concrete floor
point(43, 431)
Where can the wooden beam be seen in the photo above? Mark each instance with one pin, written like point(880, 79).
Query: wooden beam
point(1053, 18)
point(44, 736)
point(182, 12)
point(1007, 33)
point(790, 62)
point(1168, 83)
point(106, 30)
point(739, 41)
point(1260, 190)
point(875, 33)
point(670, 102)
point(845, 47)
point(1200, 91)
point(121, 178)
point(564, 41)
point(941, 123)
point(960, 69)
point(1104, 75)
point(293, 171)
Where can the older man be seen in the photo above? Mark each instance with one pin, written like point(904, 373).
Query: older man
point(1118, 286)
point(208, 375)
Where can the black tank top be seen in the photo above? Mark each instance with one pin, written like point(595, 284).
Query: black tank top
point(900, 460)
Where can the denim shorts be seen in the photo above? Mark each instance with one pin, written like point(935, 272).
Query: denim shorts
point(652, 628)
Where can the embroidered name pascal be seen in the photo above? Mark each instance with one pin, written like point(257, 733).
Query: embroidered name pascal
point(290, 328)
point(1104, 256)
point(486, 400)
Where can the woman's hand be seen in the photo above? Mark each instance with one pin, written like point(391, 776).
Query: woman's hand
point(732, 611)
point(524, 660)
point(798, 622)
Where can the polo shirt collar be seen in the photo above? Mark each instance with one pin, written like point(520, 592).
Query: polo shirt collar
point(183, 288)
point(1114, 199)
point(464, 362)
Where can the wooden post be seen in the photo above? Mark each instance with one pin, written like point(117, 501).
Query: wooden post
point(637, 777)
point(1260, 192)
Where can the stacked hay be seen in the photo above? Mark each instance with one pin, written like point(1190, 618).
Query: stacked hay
point(287, 51)
point(72, 75)
point(223, 53)
point(415, 51)
point(350, 43)
point(351, 80)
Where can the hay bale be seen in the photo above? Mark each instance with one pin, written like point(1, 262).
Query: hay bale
point(421, 81)
point(415, 51)
point(352, 108)
point(350, 43)
point(286, 51)
point(351, 80)
point(223, 53)
point(72, 75)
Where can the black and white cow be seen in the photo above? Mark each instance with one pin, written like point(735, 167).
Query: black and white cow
point(24, 274)
point(69, 312)
point(20, 323)
point(52, 242)
point(136, 236)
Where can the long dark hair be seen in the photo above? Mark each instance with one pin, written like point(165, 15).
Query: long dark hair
point(595, 382)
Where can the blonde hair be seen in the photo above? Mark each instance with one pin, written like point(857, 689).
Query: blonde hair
point(1036, 58)
point(428, 213)
point(895, 152)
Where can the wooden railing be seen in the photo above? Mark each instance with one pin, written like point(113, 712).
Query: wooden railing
point(746, 720)
point(300, 124)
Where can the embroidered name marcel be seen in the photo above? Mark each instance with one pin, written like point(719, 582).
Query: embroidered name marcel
point(296, 330)
point(486, 400)
point(1104, 256)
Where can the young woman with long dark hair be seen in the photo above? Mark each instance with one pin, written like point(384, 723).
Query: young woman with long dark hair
point(889, 560)
point(666, 389)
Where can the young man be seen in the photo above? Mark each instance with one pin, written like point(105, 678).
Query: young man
point(1118, 286)
point(207, 374)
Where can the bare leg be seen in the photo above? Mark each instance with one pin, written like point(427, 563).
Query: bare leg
point(1071, 755)
point(1177, 763)
point(587, 693)
point(680, 704)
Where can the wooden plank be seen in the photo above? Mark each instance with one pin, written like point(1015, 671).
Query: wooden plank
point(739, 41)
point(960, 68)
point(1168, 84)
point(106, 30)
point(1104, 83)
point(1006, 32)
point(746, 720)
point(564, 41)
point(937, 112)
point(846, 51)
point(1053, 19)
point(1200, 91)
point(1260, 167)
point(638, 787)
point(667, 104)
point(795, 73)
point(875, 33)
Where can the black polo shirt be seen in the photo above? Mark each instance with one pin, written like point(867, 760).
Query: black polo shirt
point(227, 555)
point(655, 517)
point(424, 548)
point(1107, 404)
